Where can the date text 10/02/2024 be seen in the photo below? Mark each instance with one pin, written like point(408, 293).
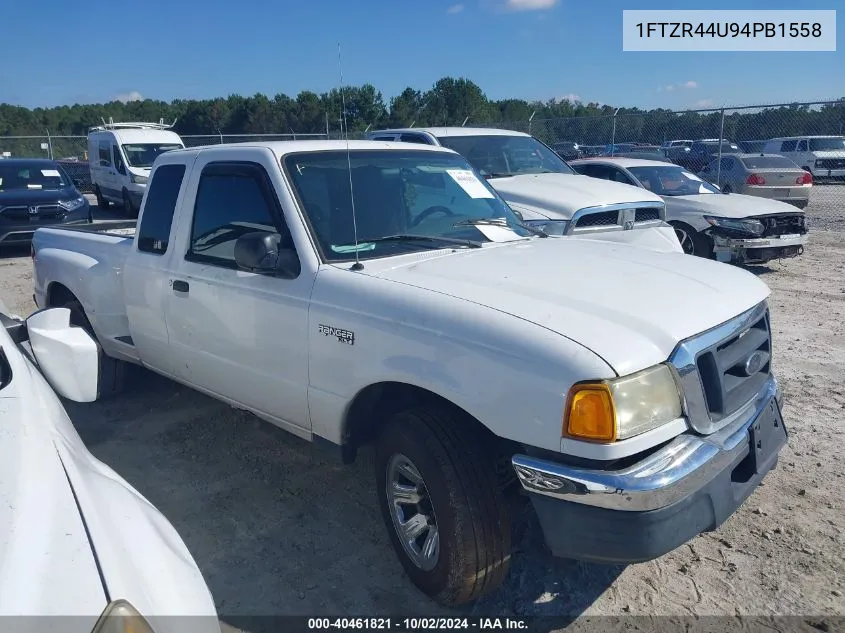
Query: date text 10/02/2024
point(417, 624)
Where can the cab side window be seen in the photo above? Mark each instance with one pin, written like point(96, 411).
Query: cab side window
point(802, 146)
point(157, 219)
point(787, 146)
point(233, 199)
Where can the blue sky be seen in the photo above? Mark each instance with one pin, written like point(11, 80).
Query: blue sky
point(97, 50)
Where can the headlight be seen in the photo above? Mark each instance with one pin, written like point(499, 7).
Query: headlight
point(549, 227)
point(139, 180)
point(121, 617)
point(72, 205)
point(751, 227)
point(611, 410)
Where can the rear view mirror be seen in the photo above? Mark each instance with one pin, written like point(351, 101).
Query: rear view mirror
point(68, 356)
point(261, 252)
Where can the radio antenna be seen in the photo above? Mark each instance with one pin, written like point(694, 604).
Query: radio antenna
point(357, 265)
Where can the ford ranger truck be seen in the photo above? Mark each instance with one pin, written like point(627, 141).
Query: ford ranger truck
point(384, 294)
point(546, 192)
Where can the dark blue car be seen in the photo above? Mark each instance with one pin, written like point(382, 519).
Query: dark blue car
point(36, 192)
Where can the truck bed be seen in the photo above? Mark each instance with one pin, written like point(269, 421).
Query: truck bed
point(122, 228)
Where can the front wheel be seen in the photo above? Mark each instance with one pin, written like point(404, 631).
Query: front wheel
point(442, 506)
point(128, 207)
point(693, 242)
point(102, 203)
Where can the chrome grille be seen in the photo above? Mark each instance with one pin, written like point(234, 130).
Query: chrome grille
point(616, 217)
point(723, 370)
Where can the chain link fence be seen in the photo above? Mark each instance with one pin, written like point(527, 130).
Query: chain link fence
point(747, 127)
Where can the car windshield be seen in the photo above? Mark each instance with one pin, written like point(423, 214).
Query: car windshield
point(144, 154)
point(404, 201)
point(768, 162)
point(497, 155)
point(17, 175)
point(825, 144)
point(670, 180)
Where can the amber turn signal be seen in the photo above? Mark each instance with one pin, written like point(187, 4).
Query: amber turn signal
point(590, 414)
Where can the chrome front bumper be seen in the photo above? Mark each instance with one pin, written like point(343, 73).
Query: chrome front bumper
point(674, 472)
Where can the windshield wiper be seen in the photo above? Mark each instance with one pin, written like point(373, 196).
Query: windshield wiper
point(410, 237)
point(497, 174)
point(500, 222)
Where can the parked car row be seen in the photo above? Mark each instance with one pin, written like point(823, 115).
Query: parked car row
point(413, 302)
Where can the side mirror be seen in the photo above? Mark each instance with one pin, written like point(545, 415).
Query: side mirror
point(67, 355)
point(261, 252)
point(122, 169)
point(76, 182)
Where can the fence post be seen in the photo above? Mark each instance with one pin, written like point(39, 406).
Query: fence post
point(221, 135)
point(719, 159)
point(613, 134)
point(531, 118)
point(49, 145)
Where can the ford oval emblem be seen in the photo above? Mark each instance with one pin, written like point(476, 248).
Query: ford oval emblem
point(753, 363)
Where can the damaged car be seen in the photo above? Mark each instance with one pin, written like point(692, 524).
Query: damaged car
point(729, 227)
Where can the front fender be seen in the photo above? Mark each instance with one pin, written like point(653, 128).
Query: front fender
point(511, 375)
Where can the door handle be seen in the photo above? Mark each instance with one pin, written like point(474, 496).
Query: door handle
point(180, 286)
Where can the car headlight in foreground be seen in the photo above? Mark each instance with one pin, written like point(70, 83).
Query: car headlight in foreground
point(121, 617)
point(72, 205)
point(617, 409)
point(744, 226)
point(549, 227)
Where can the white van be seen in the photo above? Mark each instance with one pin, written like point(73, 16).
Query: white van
point(822, 156)
point(120, 156)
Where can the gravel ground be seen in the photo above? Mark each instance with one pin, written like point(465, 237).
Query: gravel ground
point(279, 527)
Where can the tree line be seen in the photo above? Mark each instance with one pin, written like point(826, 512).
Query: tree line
point(450, 101)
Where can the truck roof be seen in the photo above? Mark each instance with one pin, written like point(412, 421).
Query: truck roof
point(455, 131)
point(282, 148)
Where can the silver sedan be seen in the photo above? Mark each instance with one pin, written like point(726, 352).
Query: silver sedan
point(765, 175)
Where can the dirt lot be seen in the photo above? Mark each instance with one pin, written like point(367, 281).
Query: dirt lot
point(279, 527)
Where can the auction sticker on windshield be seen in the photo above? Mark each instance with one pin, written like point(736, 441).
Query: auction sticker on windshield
point(470, 183)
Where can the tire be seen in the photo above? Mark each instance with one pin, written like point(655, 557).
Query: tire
point(459, 492)
point(693, 242)
point(102, 203)
point(128, 208)
point(112, 372)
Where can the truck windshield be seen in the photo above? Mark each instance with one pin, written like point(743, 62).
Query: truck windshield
point(144, 154)
point(499, 155)
point(825, 144)
point(31, 175)
point(404, 201)
point(671, 181)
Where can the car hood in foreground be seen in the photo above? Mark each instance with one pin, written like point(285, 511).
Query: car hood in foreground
point(629, 305)
point(559, 196)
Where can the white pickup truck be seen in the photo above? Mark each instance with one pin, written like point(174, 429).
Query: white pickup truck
point(546, 192)
point(628, 393)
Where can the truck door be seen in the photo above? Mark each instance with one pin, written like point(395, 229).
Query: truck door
point(146, 272)
point(239, 335)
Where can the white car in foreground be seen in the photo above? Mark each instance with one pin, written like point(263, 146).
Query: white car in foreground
point(75, 538)
point(729, 227)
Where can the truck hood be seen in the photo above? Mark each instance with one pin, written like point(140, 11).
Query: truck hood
point(46, 563)
point(629, 305)
point(559, 196)
point(15, 197)
point(730, 205)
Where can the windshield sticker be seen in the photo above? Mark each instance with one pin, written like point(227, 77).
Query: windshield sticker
point(496, 233)
point(31, 186)
point(470, 183)
point(353, 248)
point(50, 173)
